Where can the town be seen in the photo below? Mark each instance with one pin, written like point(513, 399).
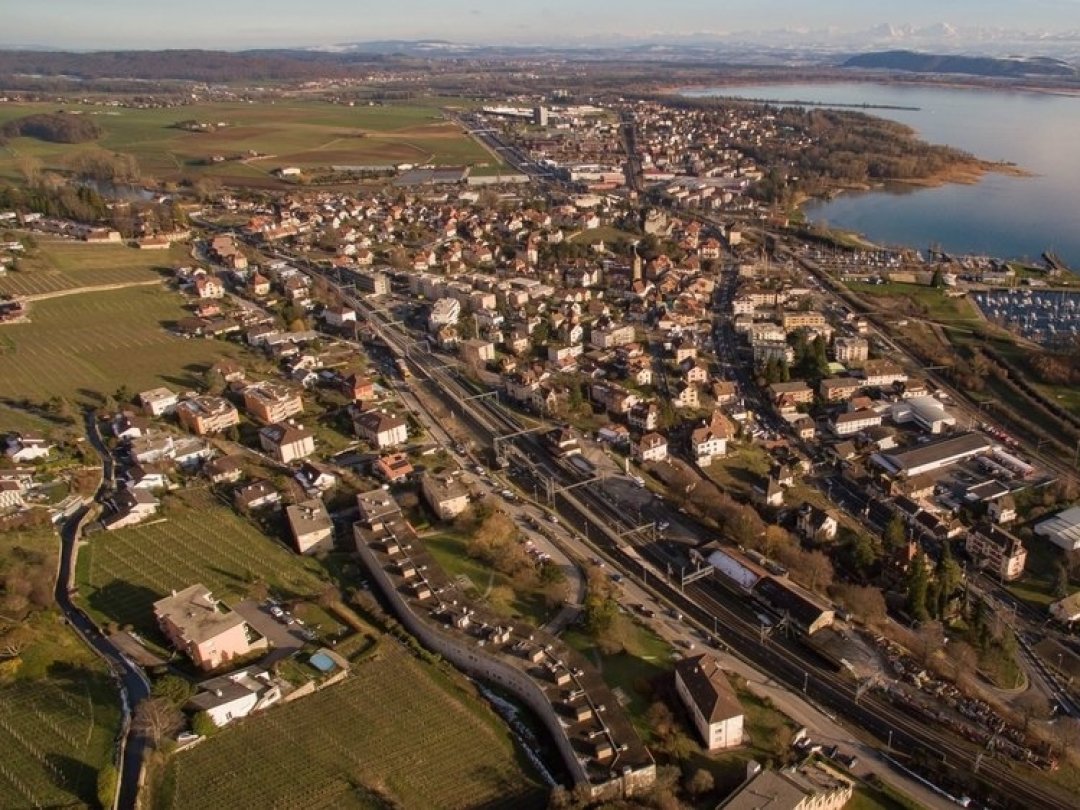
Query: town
point(524, 425)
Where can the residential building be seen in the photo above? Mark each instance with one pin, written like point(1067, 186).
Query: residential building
point(810, 786)
point(444, 312)
point(768, 492)
point(377, 505)
point(205, 414)
point(651, 447)
point(235, 695)
point(358, 388)
point(851, 349)
point(704, 689)
point(644, 416)
point(256, 495)
point(882, 373)
point(817, 524)
point(203, 628)
point(995, 550)
point(207, 286)
point(131, 506)
point(310, 525)
point(269, 402)
point(847, 424)
point(10, 495)
point(373, 283)
point(225, 470)
point(477, 352)
point(796, 391)
point(445, 494)
point(27, 446)
point(793, 320)
point(1067, 609)
point(839, 389)
point(392, 468)
point(287, 441)
point(158, 401)
point(710, 440)
point(1002, 510)
point(380, 428)
point(612, 336)
point(339, 316)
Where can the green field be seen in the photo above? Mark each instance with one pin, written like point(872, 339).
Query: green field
point(96, 342)
point(290, 133)
point(59, 711)
point(64, 265)
point(397, 733)
point(917, 300)
point(502, 594)
point(122, 573)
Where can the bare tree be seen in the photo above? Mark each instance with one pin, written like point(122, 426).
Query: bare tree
point(156, 719)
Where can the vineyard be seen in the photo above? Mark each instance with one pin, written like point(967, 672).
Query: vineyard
point(55, 736)
point(122, 573)
point(396, 733)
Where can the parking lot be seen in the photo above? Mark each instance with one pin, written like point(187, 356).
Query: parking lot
point(284, 639)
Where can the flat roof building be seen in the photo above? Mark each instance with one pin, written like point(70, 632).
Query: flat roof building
point(935, 456)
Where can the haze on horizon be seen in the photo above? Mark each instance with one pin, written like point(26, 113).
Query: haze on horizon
point(239, 24)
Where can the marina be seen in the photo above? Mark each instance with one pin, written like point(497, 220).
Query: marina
point(1049, 317)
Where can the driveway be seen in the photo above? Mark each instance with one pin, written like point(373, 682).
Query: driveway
point(284, 640)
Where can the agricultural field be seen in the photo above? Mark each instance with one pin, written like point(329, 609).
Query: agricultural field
point(59, 713)
point(365, 743)
point(57, 265)
point(122, 573)
point(81, 346)
point(291, 133)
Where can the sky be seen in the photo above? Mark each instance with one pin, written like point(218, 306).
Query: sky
point(236, 24)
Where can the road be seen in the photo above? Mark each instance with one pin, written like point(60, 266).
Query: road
point(133, 684)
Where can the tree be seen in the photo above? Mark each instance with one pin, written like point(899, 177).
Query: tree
point(699, 782)
point(918, 583)
point(203, 725)
point(895, 534)
point(937, 280)
point(156, 719)
point(174, 689)
point(815, 571)
point(1061, 580)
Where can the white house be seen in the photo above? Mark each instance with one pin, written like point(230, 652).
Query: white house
point(23, 447)
point(158, 401)
point(236, 695)
point(651, 447)
point(381, 429)
point(704, 689)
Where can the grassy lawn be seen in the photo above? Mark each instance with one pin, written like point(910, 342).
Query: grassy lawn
point(122, 573)
point(605, 234)
point(868, 797)
point(917, 300)
point(59, 712)
point(505, 596)
point(634, 670)
point(95, 342)
point(288, 133)
point(1036, 585)
point(397, 733)
point(64, 265)
point(740, 470)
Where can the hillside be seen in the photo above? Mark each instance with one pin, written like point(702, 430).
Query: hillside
point(912, 62)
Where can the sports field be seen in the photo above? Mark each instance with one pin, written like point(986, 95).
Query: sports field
point(396, 733)
point(301, 134)
point(59, 264)
point(92, 343)
point(198, 540)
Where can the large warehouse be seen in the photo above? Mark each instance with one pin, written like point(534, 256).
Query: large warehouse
point(929, 457)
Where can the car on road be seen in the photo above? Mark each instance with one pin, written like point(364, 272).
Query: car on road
point(553, 518)
point(277, 612)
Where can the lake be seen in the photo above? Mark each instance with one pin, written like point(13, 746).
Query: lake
point(1001, 215)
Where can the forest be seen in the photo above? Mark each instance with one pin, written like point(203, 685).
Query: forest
point(56, 127)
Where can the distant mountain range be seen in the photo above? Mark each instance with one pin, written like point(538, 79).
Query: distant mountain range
point(1009, 67)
